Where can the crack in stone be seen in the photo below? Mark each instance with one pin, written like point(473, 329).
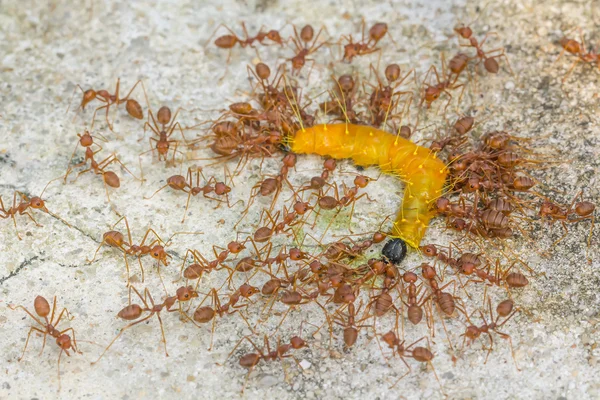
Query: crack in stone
point(19, 268)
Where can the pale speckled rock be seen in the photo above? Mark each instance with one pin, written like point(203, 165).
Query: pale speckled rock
point(47, 48)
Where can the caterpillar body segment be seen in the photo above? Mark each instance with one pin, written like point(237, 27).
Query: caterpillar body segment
point(423, 173)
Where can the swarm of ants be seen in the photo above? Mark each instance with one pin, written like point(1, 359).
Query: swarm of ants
point(265, 274)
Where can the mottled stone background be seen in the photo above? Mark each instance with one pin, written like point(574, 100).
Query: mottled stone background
point(46, 48)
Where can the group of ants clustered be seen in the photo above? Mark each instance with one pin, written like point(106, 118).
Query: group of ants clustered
point(488, 199)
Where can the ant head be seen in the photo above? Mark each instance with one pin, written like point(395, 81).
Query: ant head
point(162, 147)
point(186, 293)
point(221, 188)
point(298, 61)
point(409, 277)
point(86, 139)
point(432, 93)
point(548, 208)
point(390, 338)
point(158, 253)
point(472, 332)
point(37, 203)
point(472, 185)
point(459, 224)
point(428, 271)
point(235, 247)
point(442, 204)
point(464, 31)
point(248, 290)
point(64, 341)
point(297, 342)
point(362, 181)
point(350, 51)
point(429, 250)
point(301, 207)
point(467, 268)
point(88, 96)
point(346, 83)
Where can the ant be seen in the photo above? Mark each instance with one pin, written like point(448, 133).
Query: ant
point(504, 310)
point(163, 126)
point(348, 322)
point(489, 63)
point(229, 41)
point(415, 308)
point(432, 92)
point(204, 314)
point(25, 203)
point(583, 210)
point(134, 109)
point(156, 248)
point(363, 47)
point(63, 339)
point(86, 141)
point(250, 360)
point(179, 183)
point(133, 312)
point(109, 178)
point(577, 49)
point(304, 47)
point(381, 102)
point(418, 353)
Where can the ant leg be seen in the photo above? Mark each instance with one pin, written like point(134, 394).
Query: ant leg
point(512, 350)
point(153, 194)
point(162, 331)
point(33, 328)
point(31, 217)
point(120, 333)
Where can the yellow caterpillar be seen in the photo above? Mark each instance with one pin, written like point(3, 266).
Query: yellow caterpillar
point(423, 173)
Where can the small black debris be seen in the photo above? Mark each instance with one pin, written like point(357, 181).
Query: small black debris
point(395, 250)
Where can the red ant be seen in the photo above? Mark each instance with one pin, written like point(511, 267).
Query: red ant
point(504, 310)
point(250, 360)
point(133, 312)
point(364, 47)
point(229, 41)
point(432, 93)
point(63, 340)
point(303, 50)
point(489, 63)
point(86, 141)
point(415, 308)
point(25, 203)
point(204, 314)
point(163, 126)
point(381, 102)
point(156, 248)
point(578, 50)
point(109, 178)
point(419, 353)
point(132, 106)
point(348, 322)
point(179, 183)
point(583, 210)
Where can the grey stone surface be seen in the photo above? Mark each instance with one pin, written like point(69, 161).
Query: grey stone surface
point(48, 48)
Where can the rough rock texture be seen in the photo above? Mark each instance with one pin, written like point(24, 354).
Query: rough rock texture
point(46, 50)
